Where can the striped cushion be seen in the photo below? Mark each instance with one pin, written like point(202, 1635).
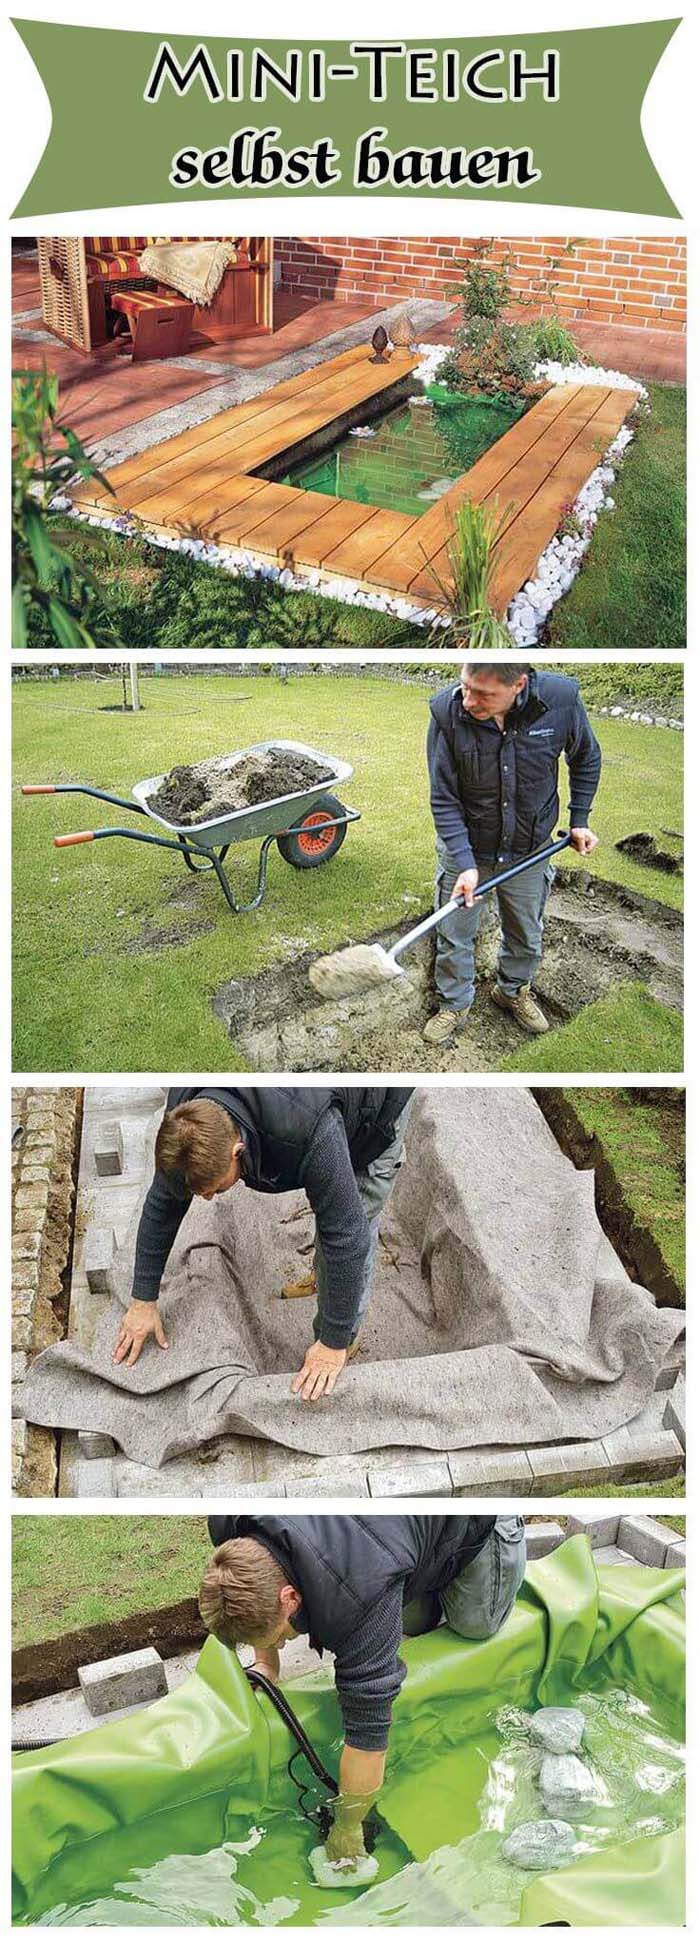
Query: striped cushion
point(107, 267)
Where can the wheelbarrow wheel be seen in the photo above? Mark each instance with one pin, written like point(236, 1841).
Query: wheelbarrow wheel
point(316, 838)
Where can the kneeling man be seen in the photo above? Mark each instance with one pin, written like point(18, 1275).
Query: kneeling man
point(355, 1585)
point(343, 1144)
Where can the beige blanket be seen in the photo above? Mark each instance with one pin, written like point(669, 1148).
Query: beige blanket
point(195, 269)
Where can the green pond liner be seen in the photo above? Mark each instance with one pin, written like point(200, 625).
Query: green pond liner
point(415, 453)
point(186, 1813)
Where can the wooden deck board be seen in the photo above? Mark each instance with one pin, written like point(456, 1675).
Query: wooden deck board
point(356, 555)
point(208, 478)
point(276, 534)
point(313, 546)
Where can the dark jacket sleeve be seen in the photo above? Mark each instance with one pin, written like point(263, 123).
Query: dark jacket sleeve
point(447, 809)
point(342, 1228)
point(164, 1209)
point(584, 763)
point(369, 1673)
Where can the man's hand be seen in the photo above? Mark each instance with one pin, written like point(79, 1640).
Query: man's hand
point(320, 1372)
point(346, 1840)
point(584, 841)
point(466, 885)
point(141, 1319)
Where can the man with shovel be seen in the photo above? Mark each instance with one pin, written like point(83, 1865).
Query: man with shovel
point(343, 1145)
point(494, 744)
point(356, 1585)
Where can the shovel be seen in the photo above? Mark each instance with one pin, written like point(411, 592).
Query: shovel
point(361, 967)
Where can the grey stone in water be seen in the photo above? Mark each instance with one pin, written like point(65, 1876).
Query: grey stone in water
point(558, 1728)
point(566, 1785)
point(539, 1844)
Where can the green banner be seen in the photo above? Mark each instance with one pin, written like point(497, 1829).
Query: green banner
point(546, 118)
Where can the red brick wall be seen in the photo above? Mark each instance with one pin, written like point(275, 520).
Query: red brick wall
point(637, 280)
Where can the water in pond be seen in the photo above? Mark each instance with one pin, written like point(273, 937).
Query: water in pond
point(199, 1866)
point(413, 455)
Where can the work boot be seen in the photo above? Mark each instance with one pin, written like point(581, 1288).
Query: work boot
point(524, 1007)
point(443, 1025)
point(297, 1290)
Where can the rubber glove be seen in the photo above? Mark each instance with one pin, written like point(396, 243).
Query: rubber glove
point(346, 1840)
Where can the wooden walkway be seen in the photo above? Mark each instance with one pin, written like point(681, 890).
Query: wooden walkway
point(204, 482)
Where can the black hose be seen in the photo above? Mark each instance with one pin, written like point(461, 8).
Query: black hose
point(34, 1745)
point(262, 1684)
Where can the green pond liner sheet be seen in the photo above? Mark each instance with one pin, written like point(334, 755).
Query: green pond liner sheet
point(414, 454)
point(185, 1813)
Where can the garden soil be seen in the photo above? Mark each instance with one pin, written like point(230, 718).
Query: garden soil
point(219, 787)
point(498, 1304)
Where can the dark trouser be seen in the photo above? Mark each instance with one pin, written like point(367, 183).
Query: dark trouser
point(480, 1599)
point(521, 906)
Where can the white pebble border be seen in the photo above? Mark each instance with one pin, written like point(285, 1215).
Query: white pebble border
point(556, 568)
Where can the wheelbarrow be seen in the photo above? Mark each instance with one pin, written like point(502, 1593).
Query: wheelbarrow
point(307, 826)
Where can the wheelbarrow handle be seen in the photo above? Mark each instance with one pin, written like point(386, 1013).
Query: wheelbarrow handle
point(66, 842)
point(492, 883)
point(83, 788)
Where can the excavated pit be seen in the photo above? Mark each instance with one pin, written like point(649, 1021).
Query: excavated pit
point(598, 935)
point(189, 795)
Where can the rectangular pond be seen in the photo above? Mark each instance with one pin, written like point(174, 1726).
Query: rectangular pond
point(406, 460)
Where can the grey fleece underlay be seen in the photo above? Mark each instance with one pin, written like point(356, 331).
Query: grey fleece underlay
point(500, 1312)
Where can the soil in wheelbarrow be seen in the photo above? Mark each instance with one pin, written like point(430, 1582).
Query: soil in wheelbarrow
point(219, 787)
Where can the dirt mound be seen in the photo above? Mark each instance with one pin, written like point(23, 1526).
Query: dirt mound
point(644, 849)
point(219, 787)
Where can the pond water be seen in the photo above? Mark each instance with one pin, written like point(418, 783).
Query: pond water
point(200, 1866)
point(411, 457)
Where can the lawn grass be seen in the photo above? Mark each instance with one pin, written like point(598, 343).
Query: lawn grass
point(631, 589)
point(628, 1030)
point(675, 1486)
point(72, 1571)
point(89, 994)
point(643, 1140)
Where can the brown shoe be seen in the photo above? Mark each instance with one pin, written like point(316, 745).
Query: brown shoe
point(524, 1008)
point(443, 1025)
point(296, 1290)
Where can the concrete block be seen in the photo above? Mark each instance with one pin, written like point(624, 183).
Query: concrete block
point(411, 1477)
point(489, 1472)
point(109, 1149)
point(674, 1412)
point(94, 1479)
point(349, 1481)
point(100, 1249)
point(94, 1446)
point(134, 1678)
point(270, 1491)
point(569, 1465)
point(675, 1555)
point(643, 1458)
point(590, 1523)
point(610, 1553)
point(543, 1538)
point(182, 1477)
point(645, 1539)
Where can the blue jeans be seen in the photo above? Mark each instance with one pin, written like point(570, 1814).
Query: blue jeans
point(374, 1186)
point(521, 907)
point(477, 1603)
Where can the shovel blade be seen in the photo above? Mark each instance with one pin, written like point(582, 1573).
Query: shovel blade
point(349, 972)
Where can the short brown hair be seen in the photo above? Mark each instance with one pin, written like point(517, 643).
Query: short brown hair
point(196, 1139)
point(239, 1596)
point(507, 671)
